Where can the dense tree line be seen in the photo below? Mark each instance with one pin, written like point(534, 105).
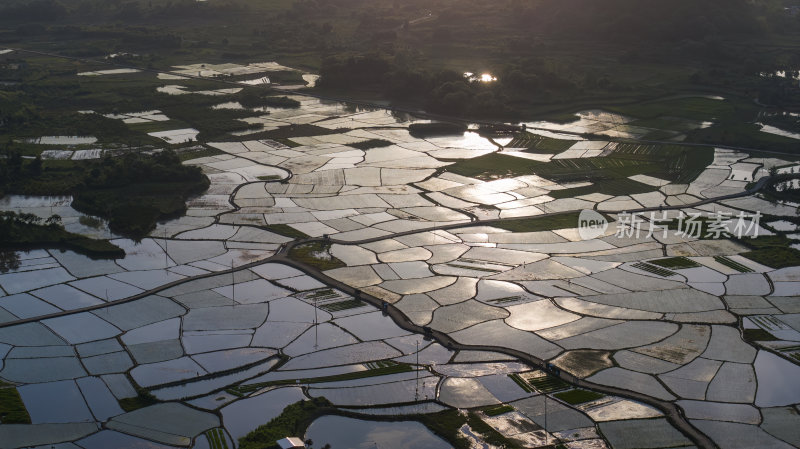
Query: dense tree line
point(445, 91)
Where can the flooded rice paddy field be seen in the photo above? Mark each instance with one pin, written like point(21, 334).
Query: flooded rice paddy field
point(224, 337)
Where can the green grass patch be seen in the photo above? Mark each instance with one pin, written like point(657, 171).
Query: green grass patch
point(287, 231)
point(493, 166)
point(658, 271)
point(732, 264)
point(578, 396)
point(294, 420)
point(536, 224)
point(613, 187)
point(544, 383)
point(379, 370)
point(269, 178)
point(498, 410)
point(216, 439)
point(775, 257)
point(757, 335)
point(322, 294)
point(186, 154)
point(772, 251)
point(12, 409)
point(692, 108)
point(676, 163)
point(521, 382)
point(317, 254)
point(540, 144)
point(342, 305)
point(447, 424)
point(675, 263)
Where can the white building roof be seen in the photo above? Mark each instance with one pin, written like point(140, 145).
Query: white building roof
point(291, 443)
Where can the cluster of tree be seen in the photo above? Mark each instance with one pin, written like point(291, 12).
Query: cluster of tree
point(14, 169)
point(135, 191)
point(33, 11)
point(444, 91)
point(27, 231)
point(132, 191)
point(128, 10)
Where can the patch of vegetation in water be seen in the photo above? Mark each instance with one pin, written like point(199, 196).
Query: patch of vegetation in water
point(286, 231)
point(12, 409)
point(133, 192)
point(540, 144)
point(732, 264)
point(608, 174)
point(316, 254)
point(92, 222)
point(342, 305)
point(498, 410)
point(27, 231)
point(190, 153)
point(447, 424)
point(658, 271)
point(216, 439)
point(753, 335)
point(371, 143)
point(578, 396)
point(675, 263)
point(546, 223)
point(141, 400)
point(521, 382)
point(772, 250)
point(613, 187)
point(544, 383)
point(294, 420)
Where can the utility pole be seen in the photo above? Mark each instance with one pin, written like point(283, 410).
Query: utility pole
point(546, 435)
point(233, 284)
point(416, 393)
point(316, 325)
point(166, 250)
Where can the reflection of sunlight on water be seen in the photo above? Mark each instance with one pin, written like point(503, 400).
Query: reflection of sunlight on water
point(503, 141)
point(483, 77)
point(778, 132)
point(470, 140)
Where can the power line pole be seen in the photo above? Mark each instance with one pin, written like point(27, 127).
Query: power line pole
point(316, 325)
point(546, 435)
point(166, 251)
point(416, 393)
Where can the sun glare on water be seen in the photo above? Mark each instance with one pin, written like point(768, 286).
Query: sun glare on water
point(483, 78)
